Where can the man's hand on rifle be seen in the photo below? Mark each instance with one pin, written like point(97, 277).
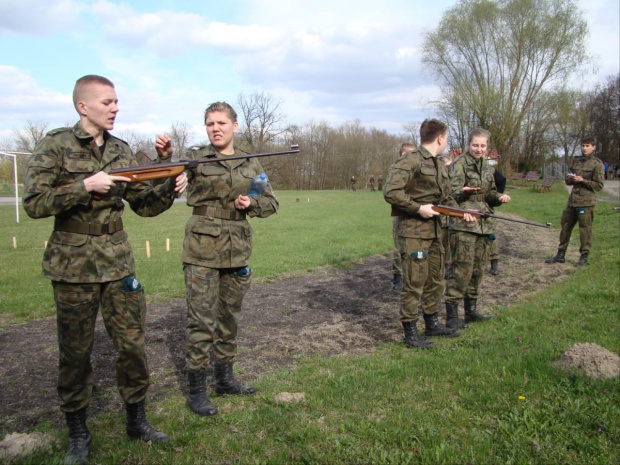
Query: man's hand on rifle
point(181, 184)
point(163, 145)
point(426, 211)
point(101, 182)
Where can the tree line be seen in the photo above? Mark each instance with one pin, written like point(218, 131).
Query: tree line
point(502, 65)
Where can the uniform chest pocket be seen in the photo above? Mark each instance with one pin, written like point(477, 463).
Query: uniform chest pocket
point(80, 163)
point(427, 170)
point(212, 169)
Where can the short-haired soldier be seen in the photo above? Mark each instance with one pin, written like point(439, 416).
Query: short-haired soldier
point(586, 175)
point(414, 183)
point(88, 257)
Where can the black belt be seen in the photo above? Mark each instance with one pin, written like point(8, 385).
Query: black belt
point(92, 229)
point(214, 212)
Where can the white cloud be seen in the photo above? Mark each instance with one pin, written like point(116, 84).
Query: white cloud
point(166, 32)
point(22, 99)
point(39, 17)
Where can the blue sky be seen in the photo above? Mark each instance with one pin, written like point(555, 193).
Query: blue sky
point(327, 60)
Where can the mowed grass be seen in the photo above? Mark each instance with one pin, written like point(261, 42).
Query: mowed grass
point(492, 396)
point(322, 228)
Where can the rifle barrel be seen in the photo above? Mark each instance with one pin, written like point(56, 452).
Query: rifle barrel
point(489, 215)
point(193, 163)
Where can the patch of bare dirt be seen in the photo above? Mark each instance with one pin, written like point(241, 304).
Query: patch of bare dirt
point(595, 361)
point(342, 311)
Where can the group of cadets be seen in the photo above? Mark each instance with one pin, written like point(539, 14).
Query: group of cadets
point(439, 257)
point(91, 267)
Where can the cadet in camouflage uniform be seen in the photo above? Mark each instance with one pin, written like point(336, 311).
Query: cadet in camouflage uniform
point(586, 175)
point(216, 254)
point(413, 184)
point(372, 183)
point(88, 257)
point(473, 187)
point(397, 264)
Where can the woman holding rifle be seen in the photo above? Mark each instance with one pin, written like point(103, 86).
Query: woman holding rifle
point(473, 187)
point(216, 253)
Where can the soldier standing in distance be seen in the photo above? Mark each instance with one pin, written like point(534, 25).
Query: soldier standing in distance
point(586, 176)
point(414, 183)
point(473, 187)
point(216, 253)
point(372, 183)
point(353, 181)
point(397, 264)
point(380, 182)
point(88, 257)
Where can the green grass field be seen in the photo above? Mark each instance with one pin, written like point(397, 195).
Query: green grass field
point(491, 396)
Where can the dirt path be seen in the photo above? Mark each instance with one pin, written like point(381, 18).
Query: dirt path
point(330, 312)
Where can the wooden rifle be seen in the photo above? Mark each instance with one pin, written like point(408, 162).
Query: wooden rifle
point(166, 170)
point(459, 212)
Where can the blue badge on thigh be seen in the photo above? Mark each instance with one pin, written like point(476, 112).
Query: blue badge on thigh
point(131, 284)
point(581, 210)
point(419, 255)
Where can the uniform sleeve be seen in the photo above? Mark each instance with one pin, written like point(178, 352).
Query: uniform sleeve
point(597, 182)
point(396, 181)
point(457, 181)
point(266, 204)
point(43, 197)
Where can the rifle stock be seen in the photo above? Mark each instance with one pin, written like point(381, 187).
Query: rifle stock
point(459, 212)
point(166, 170)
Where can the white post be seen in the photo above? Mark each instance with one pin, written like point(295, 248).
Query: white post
point(14, 155)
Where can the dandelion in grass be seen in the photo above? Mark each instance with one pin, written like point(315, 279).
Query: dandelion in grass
point(521, 398)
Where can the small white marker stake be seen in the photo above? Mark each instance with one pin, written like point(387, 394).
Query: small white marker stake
point(167, 245)
point(148, 250)
point(14, 242)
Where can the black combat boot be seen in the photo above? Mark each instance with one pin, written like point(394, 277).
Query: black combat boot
point(139, 428)
point(397, 283)
point(560, 257)
point(225, 382)
point(583, 260)
point(434, 328)
point(79, 438)
point(413, 338)
point(494, 270)
point(198, 401)
point(471, 315)
point(452, 316)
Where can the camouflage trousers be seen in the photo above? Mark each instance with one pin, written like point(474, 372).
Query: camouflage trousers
point(397, 263)
point(123, 313)
point(423, 281)
point(471, 252)
point(571, 216)
point(493, 252)
point(214, 298)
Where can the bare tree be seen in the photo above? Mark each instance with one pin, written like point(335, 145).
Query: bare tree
point(139, 144)
point(181, 136)
point(26, 139)
point(603, 111)
point(412, 131)
point(261, 120)
point(497, 56)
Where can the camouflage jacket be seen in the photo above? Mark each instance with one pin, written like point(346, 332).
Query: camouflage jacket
point(467, 171)
point(53, 186)
point(415, 179)
point(593, 173)
point(216, 242)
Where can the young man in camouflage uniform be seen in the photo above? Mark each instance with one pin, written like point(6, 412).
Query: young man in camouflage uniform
point(586, 175)
point(216, 254)
point(414, 183)
point(88, 257)
point(473, 187)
